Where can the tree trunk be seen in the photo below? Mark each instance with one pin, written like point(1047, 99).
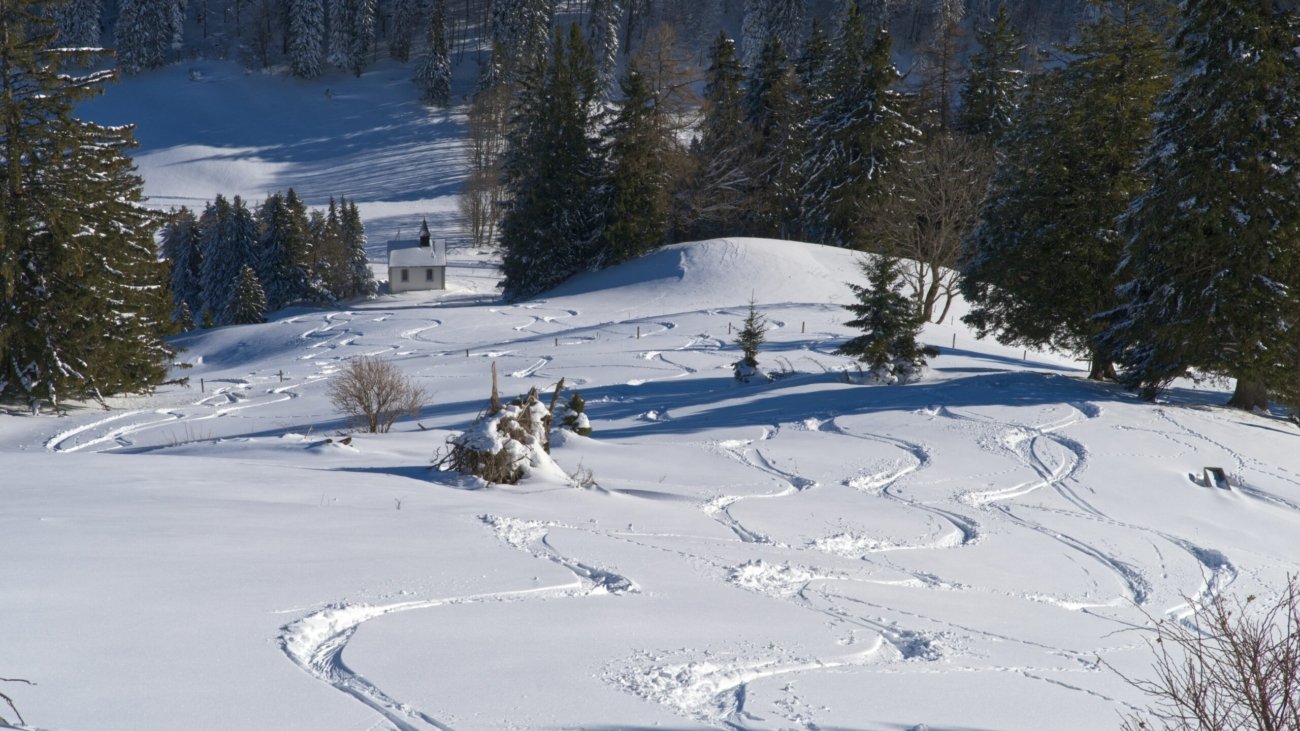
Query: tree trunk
point(1101, 368)
point(1249, 395)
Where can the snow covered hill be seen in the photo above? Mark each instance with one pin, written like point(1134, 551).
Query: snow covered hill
point(960, 553)
point(807, 553)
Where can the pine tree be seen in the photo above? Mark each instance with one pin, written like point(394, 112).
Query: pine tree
point(282, 268)
point(180, 247)
point(249, 306)
point(766, 20)
point(228, 243)
point(331, 263)
point(575, 416)
point(433, 77)
point(752, 335)
point(772, 160)
point(889, 322)
point(636, 214)
point(602, 38)
point(552, 168)
point(522, 29)
point(147, 30)
point(405, 22)
point(1211, 262)
point(306, 37)
point(855, 140)
point(83, 298)
point(79, 23)
point(360, 279)
point(351, 34)
point(1069, 171)
point(717, 193)
point(994, 81)
point(942, 71)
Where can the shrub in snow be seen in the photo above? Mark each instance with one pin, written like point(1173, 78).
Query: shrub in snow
point(506, 442)
point(1232, 664)
point(573, 416)
point(374, 392)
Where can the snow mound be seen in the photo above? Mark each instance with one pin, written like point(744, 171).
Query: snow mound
point(727, 272)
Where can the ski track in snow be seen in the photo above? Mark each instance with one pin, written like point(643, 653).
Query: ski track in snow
point(316, 642)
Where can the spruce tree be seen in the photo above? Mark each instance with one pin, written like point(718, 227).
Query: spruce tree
point(602, 38)
point(433, 76)
point(249, 306)
point(228, 243)
point(552, 170)
point(855, 141)
point(636, 212)
point(146, 32)
point(994, 80)
point(331, 261)
point(1070, 170)
point(1211, 264)
point(83, 298)
point(717, 193)
point(889, 322)
point(405, 23)
point(283, 268)
point(79, 23)
point(306, 37)
point(522, 30)
point(752, 335)
point(772, 160)
point(360, 280)
point(180, 247)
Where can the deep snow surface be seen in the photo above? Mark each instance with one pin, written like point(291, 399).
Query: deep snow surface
point(808, 553)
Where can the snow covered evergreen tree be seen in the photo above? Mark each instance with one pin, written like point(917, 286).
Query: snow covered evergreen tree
point(330, 261)
point(522, 29)
point(282, 267)
point(147, 30)
point(752, 335)
point(406, 22)
point(351, 33)
point(1211, 264)
point(306, 37)
point(636, 212)
point(180, 246)
point(433, 76)
point(360, 280)
point(768, 19)
point(79, 23)
point(228, 243)
point(855, 140)
point(1070, 170)
point(775, 146)
point(249, 306)
point(552, 168)
point(994, 80)
point(717, 193)
point(84, 303)
point(889, 322)
point(602, 37)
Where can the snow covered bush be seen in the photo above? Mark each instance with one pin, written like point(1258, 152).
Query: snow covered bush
point(506, 442)
point(374, 392)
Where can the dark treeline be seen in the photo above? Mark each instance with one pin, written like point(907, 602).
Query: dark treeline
point(231, 265)
point(1128, 196)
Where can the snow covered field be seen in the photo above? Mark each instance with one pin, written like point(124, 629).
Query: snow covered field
point(964, 552)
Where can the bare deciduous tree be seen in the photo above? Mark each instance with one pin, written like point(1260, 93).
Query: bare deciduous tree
point(374, 392)
point(1234, 665)
point(936, 204)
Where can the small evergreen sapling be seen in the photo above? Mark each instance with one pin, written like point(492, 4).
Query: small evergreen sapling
point(890, 324)
point(575, 416)
point(752, 335)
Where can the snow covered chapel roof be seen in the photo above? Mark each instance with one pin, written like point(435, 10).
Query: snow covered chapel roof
point(409, 253)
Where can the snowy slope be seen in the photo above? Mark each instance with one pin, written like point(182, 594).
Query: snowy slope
point(808, 553)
